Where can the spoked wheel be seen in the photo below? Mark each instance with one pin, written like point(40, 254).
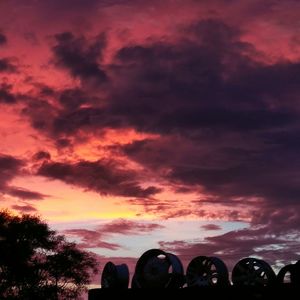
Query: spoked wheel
point(158, 269)
point(206, 271)
point(115, 276)
point(253, 272)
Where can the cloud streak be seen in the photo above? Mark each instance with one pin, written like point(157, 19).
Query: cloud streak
point(103, 176)
point(96, 238)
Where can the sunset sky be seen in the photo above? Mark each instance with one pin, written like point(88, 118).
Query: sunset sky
point(173, 124)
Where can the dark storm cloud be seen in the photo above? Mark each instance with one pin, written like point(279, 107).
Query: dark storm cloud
point(237, 117)
point(207, 80)
point(7, 66)
point(250, 168)
point(103, 176)
point(227, 117)
point(246, 179)
point(80, 57)
point(233, 118)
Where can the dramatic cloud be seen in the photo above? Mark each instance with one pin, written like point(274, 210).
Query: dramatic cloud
point(212, 73)
point(103, 176)
point(171, 109)
point(212, 69)
point(203, 91)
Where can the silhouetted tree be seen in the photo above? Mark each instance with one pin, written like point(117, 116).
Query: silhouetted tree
point(37, 263)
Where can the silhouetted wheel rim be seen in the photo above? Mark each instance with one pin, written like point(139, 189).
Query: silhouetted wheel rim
point(177, 276)
point(158, 269)
point(252, 272)
point(281, 276)
point(115, 276)
point(296, 274)
point(206, 271)
point(294, 278)
point(134, 283)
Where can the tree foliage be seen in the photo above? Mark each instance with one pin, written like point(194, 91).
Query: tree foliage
point(37, 263)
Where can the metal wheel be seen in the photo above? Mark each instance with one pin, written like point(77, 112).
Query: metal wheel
point(285, 274)
point(115, 276)
point(289, 274)
point(158, 269)
point(178, 278)
point(134, 283)
point(253, 272)
point(296, 274)
point(206, 271)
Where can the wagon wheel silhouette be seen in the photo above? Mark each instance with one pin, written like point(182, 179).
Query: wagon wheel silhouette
point(115, 276)
point(158, 269)
point(207, 271)
point(253, 272)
